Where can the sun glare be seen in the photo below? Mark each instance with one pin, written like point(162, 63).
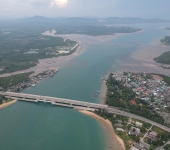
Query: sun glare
point(59, 3)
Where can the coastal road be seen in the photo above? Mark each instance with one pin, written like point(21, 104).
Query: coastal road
point(123, 113)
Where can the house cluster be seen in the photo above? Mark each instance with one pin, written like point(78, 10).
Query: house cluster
point(32, 81)
point(135, 129)
point(140, 146)
point(151, 135)
point(150, 88)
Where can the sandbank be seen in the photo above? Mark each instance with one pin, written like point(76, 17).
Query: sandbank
point(48, 63)
point(7, 104)
point(103, 92)
point(62, 61)
point(104, 89)
point(88, 39)
point(114, 141)
point(142, 60)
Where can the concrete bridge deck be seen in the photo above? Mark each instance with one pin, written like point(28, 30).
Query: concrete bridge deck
point(53, 100)
point(77, 105)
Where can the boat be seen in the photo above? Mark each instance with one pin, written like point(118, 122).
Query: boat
point(33, 85)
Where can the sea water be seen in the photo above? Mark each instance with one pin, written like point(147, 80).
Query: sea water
point(41, 126)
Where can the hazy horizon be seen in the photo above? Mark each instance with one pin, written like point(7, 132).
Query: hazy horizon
point(79, 8)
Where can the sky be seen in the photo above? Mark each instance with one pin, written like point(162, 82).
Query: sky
point(85, 8)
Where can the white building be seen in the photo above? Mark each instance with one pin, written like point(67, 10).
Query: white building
point(139, 124)
point(120, 129)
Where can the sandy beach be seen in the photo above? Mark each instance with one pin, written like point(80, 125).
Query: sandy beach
point(114, 141)
point(7, 104)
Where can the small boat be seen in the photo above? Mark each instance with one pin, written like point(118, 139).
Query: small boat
point(33, 85)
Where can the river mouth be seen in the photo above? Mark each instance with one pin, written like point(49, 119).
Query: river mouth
point(43, 126)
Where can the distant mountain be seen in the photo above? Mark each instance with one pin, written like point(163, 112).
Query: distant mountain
point(61, 20)
point(90, 21)
point(126, 20)
point(35, 19)
point(40, 22)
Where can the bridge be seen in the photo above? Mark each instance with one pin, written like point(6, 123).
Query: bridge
point(54, 101)
point(77, 105)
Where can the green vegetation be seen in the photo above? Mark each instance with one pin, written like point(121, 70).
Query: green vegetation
point(3, 98)
point(113, 118)
point(145, 124)
point(166, 40)
point(128, 139)
point(6, 82)
point(121, 96)
point(164, 58)
point(95, 30)
point(22, 43)
point(165, 78)
point(163, 137)
point(167, 147)
point(21, 49)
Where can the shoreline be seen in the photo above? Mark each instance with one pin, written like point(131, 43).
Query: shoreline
point(88, 39)
point(62, 61)
point(141, 60)
point(47, 63)
point(103, 90)
point(7, 104)
point(114, 141)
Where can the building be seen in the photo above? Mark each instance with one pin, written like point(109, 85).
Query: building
point(133, 102)
point(152, 135)
point(133, 148)
point(118, 125)
point(138, 146)
point(134, 131)
point(120, 129)
point(138, 124)
point(143, 144)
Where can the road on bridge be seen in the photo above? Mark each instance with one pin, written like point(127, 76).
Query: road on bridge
point(75, 103)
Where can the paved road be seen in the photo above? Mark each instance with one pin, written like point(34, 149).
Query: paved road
point(119, 112)
point(67, 102)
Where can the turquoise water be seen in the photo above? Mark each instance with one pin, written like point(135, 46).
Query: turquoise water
point(42, 126)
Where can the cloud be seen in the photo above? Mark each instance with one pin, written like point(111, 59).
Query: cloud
point(5, 9)
point(58, 3)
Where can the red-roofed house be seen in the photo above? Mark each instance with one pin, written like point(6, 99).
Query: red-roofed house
point(133, 102)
